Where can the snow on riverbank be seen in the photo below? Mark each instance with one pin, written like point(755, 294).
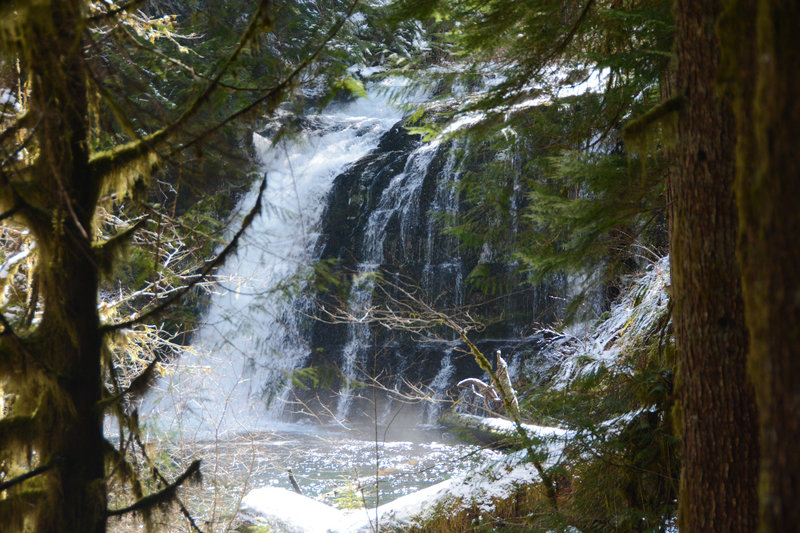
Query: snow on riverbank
point(292, 513)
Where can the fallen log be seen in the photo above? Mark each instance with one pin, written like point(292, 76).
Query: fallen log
point(471, 428)
point(497, 432)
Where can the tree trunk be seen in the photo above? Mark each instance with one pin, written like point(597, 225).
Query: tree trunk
point(67, 343)
point(718, 414)
point(764, 55)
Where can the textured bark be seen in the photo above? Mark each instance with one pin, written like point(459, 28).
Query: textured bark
point(763, 53)
point(67, 343)
point(718, 481)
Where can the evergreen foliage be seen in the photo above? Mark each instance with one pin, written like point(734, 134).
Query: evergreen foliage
point(547, 180)
point(620, 469)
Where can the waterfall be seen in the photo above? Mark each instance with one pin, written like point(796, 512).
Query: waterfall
point(443, 261)
point(438, 387)
point(358, 338)
point(356, 191)
point(388, 215)
point(399, 202)
point(233, 376)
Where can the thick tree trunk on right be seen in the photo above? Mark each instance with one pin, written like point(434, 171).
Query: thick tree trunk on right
point(763, 59)
point(718, 414)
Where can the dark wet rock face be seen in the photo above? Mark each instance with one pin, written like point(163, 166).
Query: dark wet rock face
point(386, 215)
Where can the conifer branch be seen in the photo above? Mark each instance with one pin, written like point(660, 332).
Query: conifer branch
point(16, 429)
point(272, 96)
point(639, 127)
point(161, 497)
point(11, 212)
point(533, 66)
point(110, 161)
point(14, 508)
point(120, 116)
point(22, 145)
point(200, 276)
point(139, 385)
point(105, 251)
point(158, 474)
point(120, 238)
point(562, 45)
point(121, 466)
point(22, 122)
point(8, 332)
point(12, 189)
point(116, 159)
point(181, 65)
point(14, 352)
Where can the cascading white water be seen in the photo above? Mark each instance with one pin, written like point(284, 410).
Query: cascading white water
point(248, 343)
point(441, 382)
point(400, 197)
point(446, 201)
point(358, 336)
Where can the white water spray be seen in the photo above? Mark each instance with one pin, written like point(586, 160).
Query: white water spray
point(233, 377)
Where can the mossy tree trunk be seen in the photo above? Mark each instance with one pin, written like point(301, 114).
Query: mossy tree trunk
point(718, 414)
point(63, 383)
point(763, 57)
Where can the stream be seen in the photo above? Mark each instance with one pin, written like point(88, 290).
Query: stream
point(331, 465)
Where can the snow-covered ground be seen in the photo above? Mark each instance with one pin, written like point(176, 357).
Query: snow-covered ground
point(290, 512)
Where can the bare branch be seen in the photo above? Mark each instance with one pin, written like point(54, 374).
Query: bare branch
point(200, 276)
point(406, 308)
